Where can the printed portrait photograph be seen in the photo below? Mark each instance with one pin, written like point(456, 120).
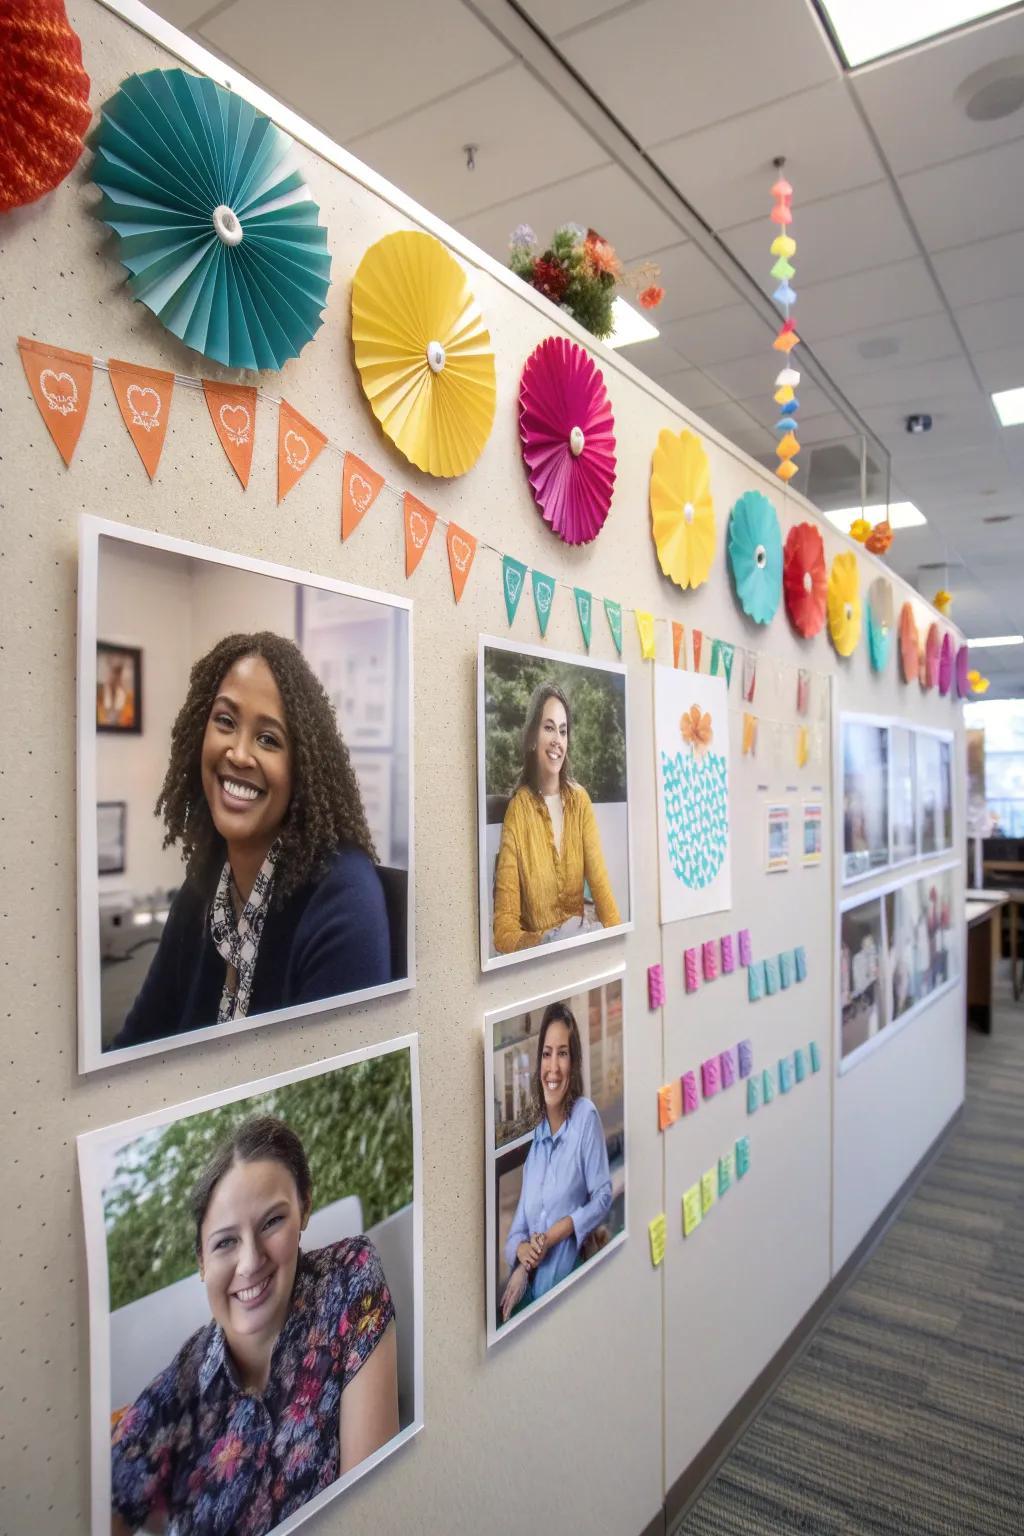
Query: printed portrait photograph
point(862, 986)
point(265, 871)
point(553, 802)
point(935, 792)
point(865, 798)
point(255, 1295)
point(922, 945)
point(903, 793)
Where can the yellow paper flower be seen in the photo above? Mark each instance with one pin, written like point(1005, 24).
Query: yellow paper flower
point(423, 352)
point(860, 530)
point(943, 601)
point(844, 603)
point(682, 512)
point(978, 683)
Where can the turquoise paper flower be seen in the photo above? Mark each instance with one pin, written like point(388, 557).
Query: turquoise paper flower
point(755, 556)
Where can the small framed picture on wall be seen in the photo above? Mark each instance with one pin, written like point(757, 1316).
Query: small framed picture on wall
point(118, 688)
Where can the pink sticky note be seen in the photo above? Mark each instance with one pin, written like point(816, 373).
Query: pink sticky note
point(655, 986)
point(690, 1098)
point(710, 953)
point(728, 1065)
point(710, 1076)
point(691, 970)
point(728, 954)
point(746, 952)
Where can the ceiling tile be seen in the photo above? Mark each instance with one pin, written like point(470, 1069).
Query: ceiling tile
point(655, 357)
point(1001, 370)
point(670, 66)
point(813, 402)
point(990, 269)
point(722, 335)
point(339, 66)
point(980, 195)
point(991, 327)
point(891, 90)
point(900, 291)
point(956, 425)
point(907, 385)
point(819, 131)
point(182, 13)
point(692, 388)
point(691, 281)
point(916, 340)
point(745, 378)
point(423, 153)
point(557, 16)
point(732, 420)
point(830, 426)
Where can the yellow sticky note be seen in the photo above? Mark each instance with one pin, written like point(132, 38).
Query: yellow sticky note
point(657, 1231)
point(749, 734)
point(692, 1212)
point(645, 624)
point(708, 1190)
point(801, 746)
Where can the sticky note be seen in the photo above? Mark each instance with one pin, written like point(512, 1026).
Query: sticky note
point(742, 1156)
point(691, 1099)
point(771, 976)
point(753, 1095)
point(800, 962)
point(708, 1190)
point(726, 1172)
point(786, 968)
point(785, 1074)
point(815, 1056)
point(745, 1058)
point(799, 1065)
point(710, 1076)
point(657, 1231)
point(710, 958)
point(728, 954)
point(755, 981)
point(746, 952)
point(670, 1104)
point(692, 1212)
point(691, 970)
point(655, 986)
point(727, 1064)
point(767, 1086)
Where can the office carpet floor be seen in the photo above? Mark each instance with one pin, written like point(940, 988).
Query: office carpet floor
point(905, 1414)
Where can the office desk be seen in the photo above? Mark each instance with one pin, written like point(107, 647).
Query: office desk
point(982, 911)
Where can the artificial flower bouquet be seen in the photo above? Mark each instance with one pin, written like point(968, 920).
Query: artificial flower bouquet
point(580, 272)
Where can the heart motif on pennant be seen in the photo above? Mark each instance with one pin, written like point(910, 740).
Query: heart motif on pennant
point(585, 609)
point(513, 582)
point(419, 529)
point(236, 421)
point(144, 404)
point(60, 391)
point(544, 593)
point(296, 450)
point(461, 552)
point(361, 492)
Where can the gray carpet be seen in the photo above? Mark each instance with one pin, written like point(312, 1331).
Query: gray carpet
point(905, 1415)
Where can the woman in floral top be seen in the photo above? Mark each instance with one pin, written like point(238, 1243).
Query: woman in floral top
point(292, 1383)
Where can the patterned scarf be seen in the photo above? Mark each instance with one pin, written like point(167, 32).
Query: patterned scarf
point(239, 943)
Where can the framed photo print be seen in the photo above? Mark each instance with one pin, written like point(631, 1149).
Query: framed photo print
point(935, 792)
point(865, 790)
point(118, 688)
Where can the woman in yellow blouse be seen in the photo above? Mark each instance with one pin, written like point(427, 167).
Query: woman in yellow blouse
point(550, 843)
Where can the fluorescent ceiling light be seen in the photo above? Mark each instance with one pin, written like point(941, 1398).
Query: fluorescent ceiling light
point(630, 325)
point(868, 29)
point(1009, 404)
point(902, 514)
point(989, 641)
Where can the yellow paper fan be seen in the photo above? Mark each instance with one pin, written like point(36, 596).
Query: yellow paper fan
point(423, 352)
point(844, 603)
point(682, 512)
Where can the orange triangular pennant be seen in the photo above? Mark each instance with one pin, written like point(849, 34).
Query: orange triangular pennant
point(678, 643)
point(144, 399)
point(461, 554)
point(698, 646)
point(419, 525)
point(360, 487)
point(61, 383)
point(299, 443)
point(233, 413)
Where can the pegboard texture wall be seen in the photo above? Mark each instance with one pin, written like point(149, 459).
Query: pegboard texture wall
point(588, 1413)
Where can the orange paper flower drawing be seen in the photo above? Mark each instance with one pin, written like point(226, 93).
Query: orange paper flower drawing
point(695, 728)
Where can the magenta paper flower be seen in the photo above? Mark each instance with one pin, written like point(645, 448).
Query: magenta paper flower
point(946, 664)
point(568, 437)
point(963, 662)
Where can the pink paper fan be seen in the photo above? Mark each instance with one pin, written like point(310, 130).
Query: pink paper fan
point(946, 664)
point(568, 437)
point(963, 662)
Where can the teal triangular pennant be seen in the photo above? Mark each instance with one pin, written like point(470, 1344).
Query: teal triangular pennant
point(583, 613)
point(543, 598)
point(716, 651)
point(614, 612)
point(727, 653)
point(513, 578)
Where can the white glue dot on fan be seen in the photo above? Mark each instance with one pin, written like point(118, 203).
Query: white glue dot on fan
point(808, 581)
point(688, 512)
point(760, 557)
point(848, 610)
point(576, 442)
point(225, 222)
point(435, 356)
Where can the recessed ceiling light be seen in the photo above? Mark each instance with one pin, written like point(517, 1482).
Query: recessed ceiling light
point(878, 346)
point(902, 514)
point(1009, 404)
point(988, 642)
point(868, 29)
point(630, 325)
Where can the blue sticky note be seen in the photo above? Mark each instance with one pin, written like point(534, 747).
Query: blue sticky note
point(755, 981)
point(815, 1056)
point(800, 962)
point(785, 1074)
point(745, 1057)
point(742, 1156)
point(726, 1172)
point(799, 1065)
point(771, 976)
point(767, 1085)
point(786, 968)
point(753, 1095)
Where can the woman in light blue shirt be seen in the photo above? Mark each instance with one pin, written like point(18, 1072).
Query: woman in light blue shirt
point(567, 1188)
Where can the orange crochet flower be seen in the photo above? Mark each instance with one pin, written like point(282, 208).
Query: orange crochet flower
point(696, 729)
point(601, 255)
point(879, 539)
point(651, 297)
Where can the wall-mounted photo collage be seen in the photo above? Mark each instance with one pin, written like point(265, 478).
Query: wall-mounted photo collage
point(897, 795)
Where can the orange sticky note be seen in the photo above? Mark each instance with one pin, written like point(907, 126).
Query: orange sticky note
point(461, 554)
point(749, 735)
point(299, 444)
point(678, 643)
point(232, 410)
point(360, 487)
point(61, 383)
point(419, 525)
point(670, 1104)
point(144, 399)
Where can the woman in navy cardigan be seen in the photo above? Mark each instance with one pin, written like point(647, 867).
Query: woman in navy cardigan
point(282, 903)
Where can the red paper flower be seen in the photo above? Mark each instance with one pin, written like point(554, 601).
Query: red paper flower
point(550, 279)
point(805, 579)
point(44, 99)
point(651, 297)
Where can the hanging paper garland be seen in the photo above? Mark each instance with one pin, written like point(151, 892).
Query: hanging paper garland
point(880, 622)
point(44, 100)
point(844, 603)
point(932, 647)
point(568, 437)
point(946, 664)
point(783, 246)
point(755, 556)
point(909, 645)
point(682, 512)
point(213, 219)
point(805, 580)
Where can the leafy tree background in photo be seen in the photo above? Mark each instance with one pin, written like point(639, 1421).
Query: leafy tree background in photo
point(355, 1124)
point(597, 749)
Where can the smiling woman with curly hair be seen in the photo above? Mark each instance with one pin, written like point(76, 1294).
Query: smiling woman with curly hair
point(282, 903)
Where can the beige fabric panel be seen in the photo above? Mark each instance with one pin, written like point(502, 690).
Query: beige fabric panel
point(564, 1425)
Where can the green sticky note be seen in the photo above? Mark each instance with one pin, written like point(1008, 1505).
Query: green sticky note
point(768, 1084)
point(657, 1231)
point(708, 1189)
point(799, 1065)
point(742, 1156)
point(753, 1095)
point(726, 1172)
point(815, 1056)
point(692, 1212)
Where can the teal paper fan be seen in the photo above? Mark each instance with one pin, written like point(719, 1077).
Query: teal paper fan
point(755, 556)
point(214, 221)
